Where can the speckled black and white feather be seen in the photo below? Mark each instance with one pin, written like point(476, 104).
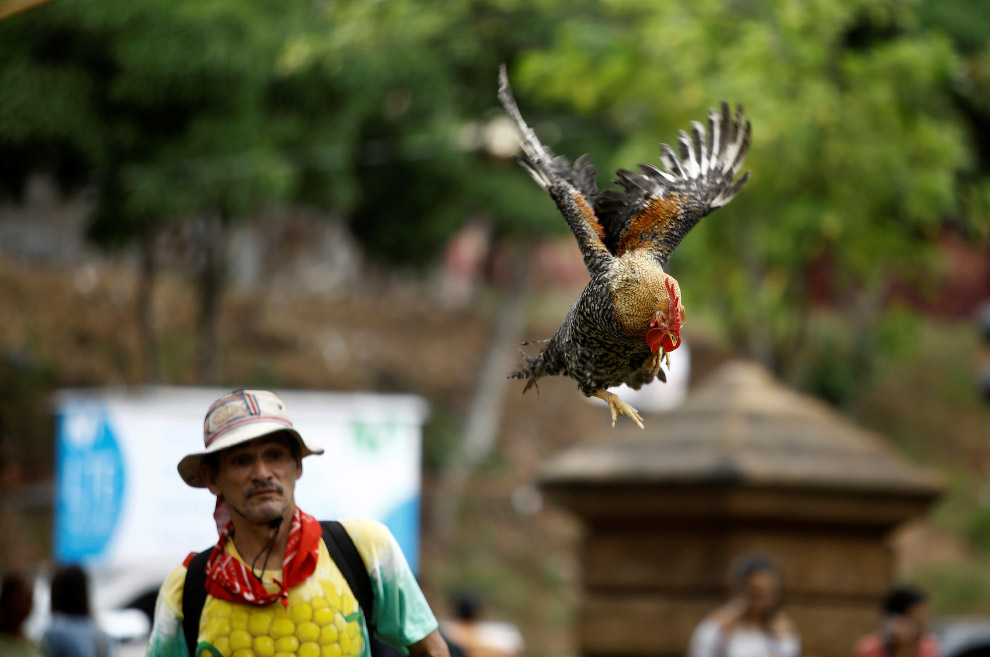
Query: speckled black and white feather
point(573, 188)
point(591, 347)
point(700, 180)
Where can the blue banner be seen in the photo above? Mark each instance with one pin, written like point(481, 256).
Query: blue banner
point(89, 483)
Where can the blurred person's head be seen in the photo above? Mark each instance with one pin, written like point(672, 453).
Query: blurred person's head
point(252, 457)
point(70, 591)
point(983, 320)
point(16, 601)
point(467, 606)
point(906, 613)
point(757, 586)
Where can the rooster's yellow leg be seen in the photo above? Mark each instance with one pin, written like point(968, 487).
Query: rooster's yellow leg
point(619, 407)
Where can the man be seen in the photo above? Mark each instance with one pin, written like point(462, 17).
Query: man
point(752, 624)
point(477, 637)
point(272, 587)
point(903, 630)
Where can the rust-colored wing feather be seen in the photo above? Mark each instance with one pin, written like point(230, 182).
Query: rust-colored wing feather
point(656, 209)
point(573, 188)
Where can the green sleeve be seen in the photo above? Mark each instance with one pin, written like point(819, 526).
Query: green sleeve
point(401, 614)
point(167, 638)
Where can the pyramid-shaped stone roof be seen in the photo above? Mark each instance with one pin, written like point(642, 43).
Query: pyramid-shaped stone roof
point(743, 428)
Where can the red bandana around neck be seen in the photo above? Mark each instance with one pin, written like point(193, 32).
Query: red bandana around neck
point(230, 579)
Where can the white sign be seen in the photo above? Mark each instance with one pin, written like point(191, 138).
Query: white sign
point(120, 501)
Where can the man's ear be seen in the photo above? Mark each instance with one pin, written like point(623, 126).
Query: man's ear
point(209, 478)
point(298, 467)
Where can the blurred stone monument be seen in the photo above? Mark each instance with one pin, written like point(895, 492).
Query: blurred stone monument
point(744, 465)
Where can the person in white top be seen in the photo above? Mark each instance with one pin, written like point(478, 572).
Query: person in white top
point(478, 637)
point(752, 623)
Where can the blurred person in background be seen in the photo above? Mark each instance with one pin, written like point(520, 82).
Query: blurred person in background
point(477, 637)
point(983, 324)
point(16, 600)
point(73, 632)
point(752, 624)
point(278, 580)
point(903, 630)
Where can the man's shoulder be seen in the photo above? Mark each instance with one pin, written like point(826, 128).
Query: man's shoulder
point(377, 546)
point(364, 524)
point(928, 646)
point(368, 531)
point(721, 617)
point(869, 645)
point(784, 624)
point(175, 582)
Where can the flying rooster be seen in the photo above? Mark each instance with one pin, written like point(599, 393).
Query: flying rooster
point(629, 317)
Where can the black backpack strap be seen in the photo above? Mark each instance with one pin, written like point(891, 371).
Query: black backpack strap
point(345, 554)
point(194, 597)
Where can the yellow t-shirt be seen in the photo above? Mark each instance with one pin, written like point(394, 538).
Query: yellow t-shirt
point(323, 618)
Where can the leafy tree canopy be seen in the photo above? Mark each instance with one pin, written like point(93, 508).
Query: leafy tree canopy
point(378, 111)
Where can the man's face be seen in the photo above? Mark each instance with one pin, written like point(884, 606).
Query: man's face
point(918, 613)
point(762, 592)
point(257, 478)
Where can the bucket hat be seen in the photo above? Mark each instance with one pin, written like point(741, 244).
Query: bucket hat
point(238, 417)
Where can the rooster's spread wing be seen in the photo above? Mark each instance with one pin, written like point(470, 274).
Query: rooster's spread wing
point(573, 188)
point(658, 208)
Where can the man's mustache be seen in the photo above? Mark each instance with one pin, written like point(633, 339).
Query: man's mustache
point(267, 486)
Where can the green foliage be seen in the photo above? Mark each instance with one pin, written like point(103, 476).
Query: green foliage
point(378, 112)
point(956, 589)
point(967, 24)
point(966, 21)
point(923, 398)
point(175, 110)
point(441, 435)
point(978, 530)
point(833, 370)
point(382, 106)
point(159, 103)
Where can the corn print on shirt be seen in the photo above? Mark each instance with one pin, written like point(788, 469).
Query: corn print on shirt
point(323, 618)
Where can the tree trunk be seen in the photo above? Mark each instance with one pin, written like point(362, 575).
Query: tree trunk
point(484, 416)
point(146, 311)
point(209, 239)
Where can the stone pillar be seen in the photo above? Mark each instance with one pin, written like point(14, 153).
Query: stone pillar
point(744, 465)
